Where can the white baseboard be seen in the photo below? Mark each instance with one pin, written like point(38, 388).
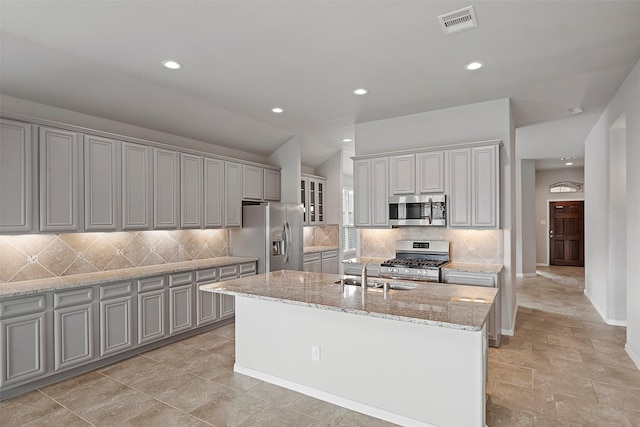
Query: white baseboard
point(526, 274)
point(633, 355)
point(510, 332)
point(612, 322)
point(542, 264)
point(332, 398)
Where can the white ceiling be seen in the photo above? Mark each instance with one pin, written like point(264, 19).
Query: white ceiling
point(241, 58)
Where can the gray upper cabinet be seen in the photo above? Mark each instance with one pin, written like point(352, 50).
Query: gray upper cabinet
point(213, 192)
point(252, 182)
point(403, 174)
point(60, 154)
point(430, 172)
point(166, 189)
point(271, 185)
point(370, 180)
point(232, 194)
point(191, 191)
point(137, 179)
point(101, 183)
point(474, 187)
point(17, 155)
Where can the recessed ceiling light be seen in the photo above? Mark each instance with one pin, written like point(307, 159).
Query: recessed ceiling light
point(566, 158)
point(569, 163)
point(172, 65)
point(360, 91)
point(473, 66)
point(277, 110)
point(575, 110)
point(347, 140)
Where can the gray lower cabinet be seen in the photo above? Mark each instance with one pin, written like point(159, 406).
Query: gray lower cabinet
point(116, 329)
point(330, 262)
point(73, 323)
point(227, 302)
point(180, 302)
point(312, 263)
point(206, 302)
point(491, 280)
point(23, 351)
point(151, 310)
point(355, 269)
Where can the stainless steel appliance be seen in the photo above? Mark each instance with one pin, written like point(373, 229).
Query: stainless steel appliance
point(271, 232)
point(418, 210)
point(417, 260)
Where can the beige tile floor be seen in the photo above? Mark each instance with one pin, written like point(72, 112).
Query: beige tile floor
point(563, 367)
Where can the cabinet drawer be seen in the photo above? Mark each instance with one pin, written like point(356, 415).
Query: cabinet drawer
point(18, 306)
point(312, 257)
point(207, 275)
point(180, 279)
point(75, 297)
point(329, 254)
point(150, 284)
point(487, 280)
point(247, 269)
point(116, 290)
point(228, 272)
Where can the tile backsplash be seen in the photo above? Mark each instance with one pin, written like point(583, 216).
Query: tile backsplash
point(327, 235)
point(37, 256)
point(473, 246)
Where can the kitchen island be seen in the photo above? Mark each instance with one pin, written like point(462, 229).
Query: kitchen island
point(413, 357)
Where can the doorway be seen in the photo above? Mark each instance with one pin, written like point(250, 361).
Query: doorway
point(566, 233)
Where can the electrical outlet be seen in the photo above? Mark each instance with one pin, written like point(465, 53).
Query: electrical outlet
point(315, 353)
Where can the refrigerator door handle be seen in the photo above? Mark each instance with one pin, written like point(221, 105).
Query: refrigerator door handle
point(287, 241)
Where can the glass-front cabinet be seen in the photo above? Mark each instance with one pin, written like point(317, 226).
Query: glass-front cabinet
point(312, 194)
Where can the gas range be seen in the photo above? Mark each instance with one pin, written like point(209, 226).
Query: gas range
point(417, 260)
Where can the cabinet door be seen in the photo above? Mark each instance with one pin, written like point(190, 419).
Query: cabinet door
point(16, 186)
point(166, 189)
point(137, 178)
point(206, 302)
point(379, 192)
point(330, 262)
point(227, 302)
point(22, 348)
point(233, 200)
point(191, 193)
point(73, 336)
point(101, 179)
point(271, 184)
point(460, 188)
point(60, 155)
point(252, 182)
point(485, 186)
point(362, 192)
point(403, 174)
point(151, 316)
point(320, 198)
point(213, 192)
point(430, 172)
point(116, 327)
point(304, 199)
point(180, 309)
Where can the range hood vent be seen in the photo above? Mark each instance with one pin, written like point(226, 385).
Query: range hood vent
point(458, 20)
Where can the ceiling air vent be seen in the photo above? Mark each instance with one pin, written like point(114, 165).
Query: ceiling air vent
point(458, 20)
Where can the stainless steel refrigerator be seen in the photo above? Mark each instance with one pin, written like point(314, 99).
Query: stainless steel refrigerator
point(271, 232)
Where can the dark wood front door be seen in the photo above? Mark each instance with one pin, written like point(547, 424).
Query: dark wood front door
point(566, 233)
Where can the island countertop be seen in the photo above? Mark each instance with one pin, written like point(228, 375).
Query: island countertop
point(437, 304)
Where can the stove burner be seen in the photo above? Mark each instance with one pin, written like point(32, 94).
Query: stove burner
point(413, 263)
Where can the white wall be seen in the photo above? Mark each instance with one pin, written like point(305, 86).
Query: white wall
point(468, 123)
point(597, 176)
point(525, 217)
point(544, 178)
point(287, 157)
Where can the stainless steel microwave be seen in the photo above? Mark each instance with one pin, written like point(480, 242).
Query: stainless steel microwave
point(429, 210)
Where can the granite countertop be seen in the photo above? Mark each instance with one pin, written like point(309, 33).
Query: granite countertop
point(315, 249)
point(29, 287)
point(473, 268)
point(364, 260)
point(451, 306)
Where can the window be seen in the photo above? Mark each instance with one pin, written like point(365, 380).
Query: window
point(566, 187)
point(348, 229)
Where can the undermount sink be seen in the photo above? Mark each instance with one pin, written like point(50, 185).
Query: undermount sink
point(376, 283)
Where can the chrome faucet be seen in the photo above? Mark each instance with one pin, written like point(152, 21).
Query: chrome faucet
point(363, 277)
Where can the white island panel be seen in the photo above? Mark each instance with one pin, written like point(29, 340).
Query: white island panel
point(409, 373)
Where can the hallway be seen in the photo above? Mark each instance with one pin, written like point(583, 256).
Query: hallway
point(564, 366)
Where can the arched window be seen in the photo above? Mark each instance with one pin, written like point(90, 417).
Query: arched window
point(566, 187)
